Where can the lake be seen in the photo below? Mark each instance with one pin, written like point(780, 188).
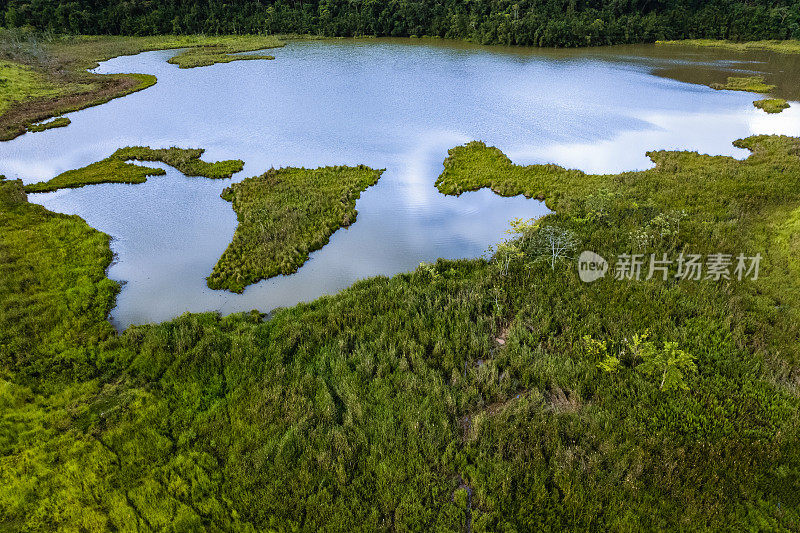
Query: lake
point(397, 104)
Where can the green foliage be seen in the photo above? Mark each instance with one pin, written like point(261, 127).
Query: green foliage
point(509, 22)
point(753, 84)
point(597, 350)
point(114, 168)
point(551, 243)
point(283, 216)
point(394, 405)
point(772, 105)
point(663, 230)
point(669, 364)
point(59, 122)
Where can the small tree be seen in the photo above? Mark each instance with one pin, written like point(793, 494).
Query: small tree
point(507, 251)
point(553, 243)
point(521, 227)
point(595, 349)
point(669, 364)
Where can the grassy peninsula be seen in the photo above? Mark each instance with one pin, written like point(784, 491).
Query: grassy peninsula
point(729, 204)
point(500, 394)
point(284, 215)
point(47, 75)
point(60, 122)
point(115, 169)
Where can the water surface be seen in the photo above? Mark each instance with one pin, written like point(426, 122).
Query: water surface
point(393, 104)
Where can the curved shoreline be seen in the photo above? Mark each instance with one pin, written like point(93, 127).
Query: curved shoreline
point(68, 61)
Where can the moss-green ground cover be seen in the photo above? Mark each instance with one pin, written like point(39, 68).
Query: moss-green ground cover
point(789, 46)
point(772, 105)
point(385, 406)
point(114, 168)
point(753, 84)
point(283, 216)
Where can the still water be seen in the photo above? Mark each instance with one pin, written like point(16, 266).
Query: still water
point(393, 104)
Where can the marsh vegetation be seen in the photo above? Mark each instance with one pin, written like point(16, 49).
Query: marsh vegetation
point(284, 215)
point(504, 393)
point(772, 105)
point(753, 84)
point(492, 394)
point(115, 169)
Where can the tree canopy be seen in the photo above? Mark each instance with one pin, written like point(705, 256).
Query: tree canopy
point(510, 22)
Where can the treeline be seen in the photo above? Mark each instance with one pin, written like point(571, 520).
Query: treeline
point(520, 22)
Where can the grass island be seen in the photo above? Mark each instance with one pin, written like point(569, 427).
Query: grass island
point(284, 215)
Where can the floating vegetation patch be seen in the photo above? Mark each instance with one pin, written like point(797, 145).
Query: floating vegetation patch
point(752, 84)
point(772, 105)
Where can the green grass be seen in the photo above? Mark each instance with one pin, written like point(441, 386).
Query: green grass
point(786, 47)
point(186, 160)
point(114, 168)
point(226, 50)
point(753, 84)
point(772, 105)
point(105, 171)
point(283, 216)
point(53, 268)
point(203, 57)
point(19, 83)
point(383, 406)
point(59, 122)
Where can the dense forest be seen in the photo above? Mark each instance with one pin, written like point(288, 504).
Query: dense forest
point(512, 22)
